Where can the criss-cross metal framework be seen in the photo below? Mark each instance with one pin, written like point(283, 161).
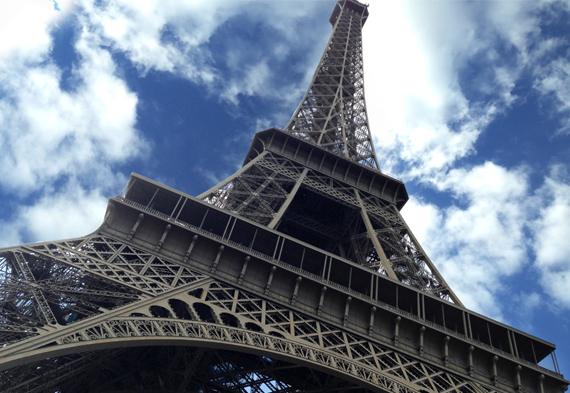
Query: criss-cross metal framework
point(365, 228)
point(333, 112)
point(295, 274)
point(79, 306)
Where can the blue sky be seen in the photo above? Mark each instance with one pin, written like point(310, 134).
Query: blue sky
point(469, 104)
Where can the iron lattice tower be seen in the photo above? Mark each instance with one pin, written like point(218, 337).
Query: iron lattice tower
point(297, 273)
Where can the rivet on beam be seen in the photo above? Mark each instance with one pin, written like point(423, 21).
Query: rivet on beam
point(297, 283)
point(371, 324)
point(217, 260)
point(132, 232)
point(161, 242)
point(422, 331)
point(397, 330)
point(446, 351)
point(243, 269)
point(470, 368)
point(190, 248)
point(321, 302)
point(518, 369)
point(495, 378)
point(346, 309)
point(271, 273)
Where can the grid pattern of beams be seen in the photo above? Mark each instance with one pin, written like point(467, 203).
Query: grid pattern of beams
point(202, 310)
point(333, 111)
point(259, 190)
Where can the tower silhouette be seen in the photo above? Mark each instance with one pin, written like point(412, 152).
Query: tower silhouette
point(297, 273)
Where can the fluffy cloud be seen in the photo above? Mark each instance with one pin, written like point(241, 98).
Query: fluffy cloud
point(24, 27)
point(437, 87)
point(63, 142)
point(173, 36)
point(479, 239)
point(554, 82)
point(48, 132)
point(482, 238)
point(60, 145)
point(552, 229)
point(69, 212)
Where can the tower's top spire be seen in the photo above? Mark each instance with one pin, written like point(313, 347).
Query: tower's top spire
point(352, 5)
point(333, 111)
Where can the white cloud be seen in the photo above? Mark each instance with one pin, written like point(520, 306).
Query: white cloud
point(48, 132)
point(253, 82)
point(414, 93)
point(24, 27)
point(480, 238)
point(432, 91)
point(552, 234)
point(173, 36)
point(60, 145)
point(554, 81)
point(69, 212)
point(74, 137)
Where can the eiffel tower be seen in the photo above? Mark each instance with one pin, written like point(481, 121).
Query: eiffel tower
point(297, 273)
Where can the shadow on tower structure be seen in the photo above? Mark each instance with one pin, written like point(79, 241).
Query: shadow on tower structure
point(297, 273)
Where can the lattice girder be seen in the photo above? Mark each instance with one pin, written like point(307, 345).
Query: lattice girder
point(206, 312)
point(262, 204)
point(256, 322)
point(333, 112)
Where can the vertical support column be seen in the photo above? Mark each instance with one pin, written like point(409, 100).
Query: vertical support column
point(371, 324)
point(270, 280)
point(217, 260)
point(190, 248)
point(243, 269)
point(511, 343)
point(321, 301)
point(150, 203)
point(397, 330)
point(175, 207)
point(346, 309)
point(470, 367)
point(422, 331)
point(495, 378)
point(296, 291)
point(386, 264)
point(163, 238)
point(446, 351)
point(541, 383)
point(135, 227)
point(518, 369)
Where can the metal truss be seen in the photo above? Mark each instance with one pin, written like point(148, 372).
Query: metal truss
point(207, 309)
point(261, 190)
point(333, 116)
point(120, 298)
point(333, 112)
